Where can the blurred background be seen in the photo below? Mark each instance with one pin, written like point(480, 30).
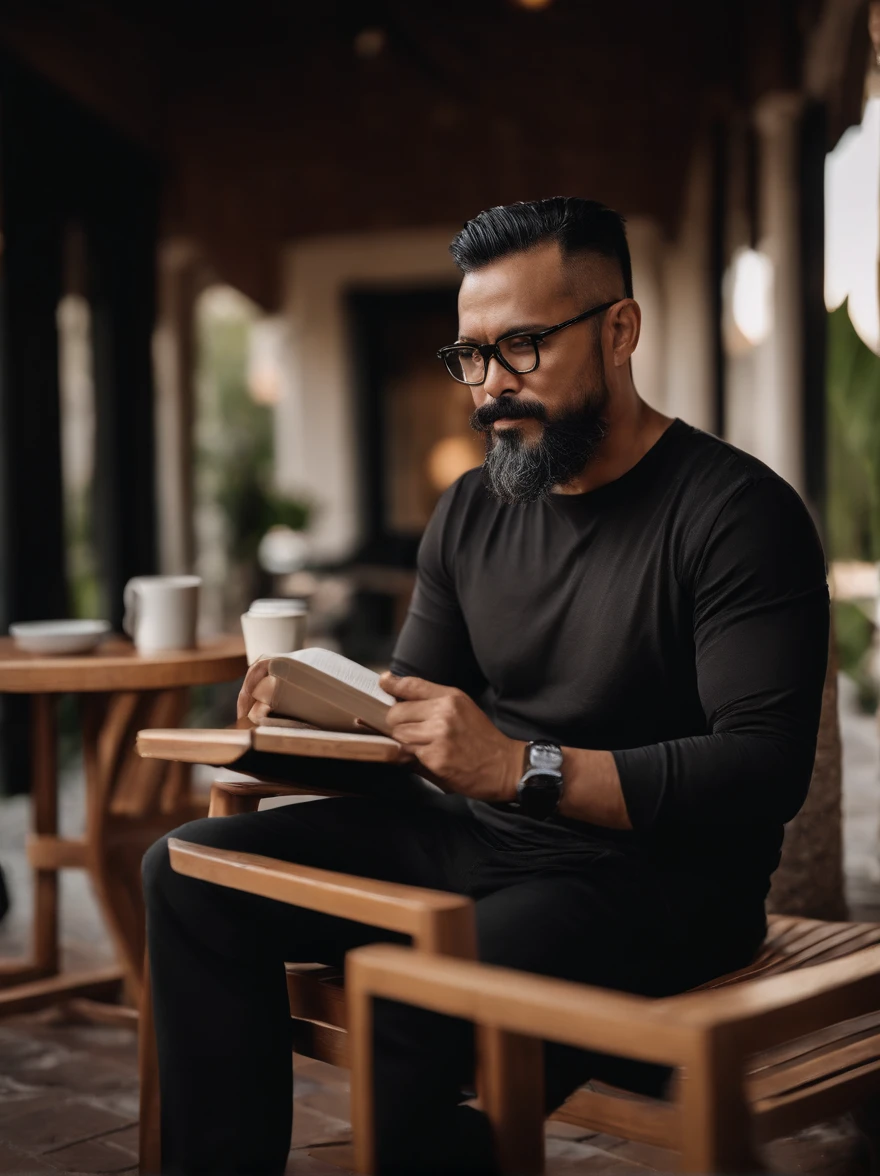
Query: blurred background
point(224, 277)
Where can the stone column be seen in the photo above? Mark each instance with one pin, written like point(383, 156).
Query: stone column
point(689, 380)
point(779, 409)
point(174, 353)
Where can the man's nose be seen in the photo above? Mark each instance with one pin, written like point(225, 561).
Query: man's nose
point(499, 381)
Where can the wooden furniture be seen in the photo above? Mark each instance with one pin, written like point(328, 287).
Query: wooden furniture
point(758, 1054)
point(129, 802)
point(791, 1039)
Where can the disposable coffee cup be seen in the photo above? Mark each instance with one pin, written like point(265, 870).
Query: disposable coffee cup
point(161, 612)
point(272, 631)
point(273, 605)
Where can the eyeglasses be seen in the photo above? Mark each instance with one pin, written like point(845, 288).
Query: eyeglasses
point(519, 353)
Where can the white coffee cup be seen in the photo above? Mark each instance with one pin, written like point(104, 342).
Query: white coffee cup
point(268, 631)
point(161, 612)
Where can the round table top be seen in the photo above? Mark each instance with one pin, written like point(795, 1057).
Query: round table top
point(116, 665)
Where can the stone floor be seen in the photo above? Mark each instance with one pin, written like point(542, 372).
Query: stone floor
point(68, 1090)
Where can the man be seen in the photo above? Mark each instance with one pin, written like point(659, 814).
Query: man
point(612, 666)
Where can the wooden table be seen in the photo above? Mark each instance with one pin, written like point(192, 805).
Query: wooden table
point(129, 801)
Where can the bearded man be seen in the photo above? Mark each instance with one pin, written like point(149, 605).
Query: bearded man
point(612, 667)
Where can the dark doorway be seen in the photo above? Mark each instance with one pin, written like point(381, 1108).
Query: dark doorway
point(413, 418)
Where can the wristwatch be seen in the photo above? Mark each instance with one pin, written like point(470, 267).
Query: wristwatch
point(540, 788)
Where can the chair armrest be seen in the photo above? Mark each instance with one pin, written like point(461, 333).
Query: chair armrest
point(438, 922)
point(761, 1013)
point(520, 1002)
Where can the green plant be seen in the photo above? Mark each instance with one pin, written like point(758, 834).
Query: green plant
point(855, 636)
point(853, 382)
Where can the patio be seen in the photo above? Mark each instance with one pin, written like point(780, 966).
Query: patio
point(68, 1090)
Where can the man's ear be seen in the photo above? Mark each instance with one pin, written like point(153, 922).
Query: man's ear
point(625, 323)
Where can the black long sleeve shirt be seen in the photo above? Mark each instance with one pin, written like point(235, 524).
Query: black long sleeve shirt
point(677, 617)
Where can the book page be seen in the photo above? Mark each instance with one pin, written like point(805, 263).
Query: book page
point(345, 670)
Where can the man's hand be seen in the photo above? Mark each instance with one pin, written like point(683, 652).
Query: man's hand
point(255, 692)
point(449, 734)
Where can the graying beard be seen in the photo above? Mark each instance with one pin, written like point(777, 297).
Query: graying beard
point(520, 473)
point(517, 473)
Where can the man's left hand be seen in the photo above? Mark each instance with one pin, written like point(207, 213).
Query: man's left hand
point(449, 734)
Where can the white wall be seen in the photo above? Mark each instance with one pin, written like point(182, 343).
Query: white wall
point(315, 442)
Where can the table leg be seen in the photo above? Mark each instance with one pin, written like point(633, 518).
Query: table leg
point(44, 817)
point(44, 822)
point(125, 812)
point(33, 983)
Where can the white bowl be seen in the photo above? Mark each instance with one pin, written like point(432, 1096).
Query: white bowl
point(53, 637)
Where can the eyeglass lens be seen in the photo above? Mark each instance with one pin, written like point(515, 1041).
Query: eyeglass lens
point(467, 365)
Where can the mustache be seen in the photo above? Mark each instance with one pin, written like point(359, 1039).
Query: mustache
point(506, 407)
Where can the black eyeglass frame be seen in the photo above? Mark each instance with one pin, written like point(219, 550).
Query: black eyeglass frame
point(488, 350)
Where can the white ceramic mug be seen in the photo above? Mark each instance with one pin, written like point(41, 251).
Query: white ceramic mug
point(161, 612)
point(268, 631)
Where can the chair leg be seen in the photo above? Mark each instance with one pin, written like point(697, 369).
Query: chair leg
point(510, 1079)
point(150, 1140)
point(716, 1125)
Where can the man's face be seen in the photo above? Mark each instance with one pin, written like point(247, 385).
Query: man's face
point(543, 427)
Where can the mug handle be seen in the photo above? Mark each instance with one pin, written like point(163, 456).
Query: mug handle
point(130, 594)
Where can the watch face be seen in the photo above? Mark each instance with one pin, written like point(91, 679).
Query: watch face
point(538, 793)
point(545, 755)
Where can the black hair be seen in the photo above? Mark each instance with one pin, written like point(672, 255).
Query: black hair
point(578, 225)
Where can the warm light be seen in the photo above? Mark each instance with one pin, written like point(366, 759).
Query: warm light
point(752, 295)
point(450, 458)
point(370, 43)
point(852, 232)
point(266, 358)
point(533, 5)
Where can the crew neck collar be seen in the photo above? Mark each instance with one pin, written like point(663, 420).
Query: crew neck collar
point(628, 481)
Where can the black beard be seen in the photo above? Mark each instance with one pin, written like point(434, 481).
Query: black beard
point(518, 472)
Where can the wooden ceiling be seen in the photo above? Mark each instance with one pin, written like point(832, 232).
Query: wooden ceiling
point(278, 119)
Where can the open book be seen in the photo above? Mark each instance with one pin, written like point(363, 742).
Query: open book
point(328, 691)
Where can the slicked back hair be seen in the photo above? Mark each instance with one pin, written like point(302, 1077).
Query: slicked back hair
point(578, 225)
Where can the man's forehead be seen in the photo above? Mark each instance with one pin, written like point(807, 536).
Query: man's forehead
point(530, 284)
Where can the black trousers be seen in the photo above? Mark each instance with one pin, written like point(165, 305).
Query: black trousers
point(548, 900)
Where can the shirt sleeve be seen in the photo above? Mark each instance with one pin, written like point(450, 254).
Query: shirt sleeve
point(761, 623)
point(434, 642)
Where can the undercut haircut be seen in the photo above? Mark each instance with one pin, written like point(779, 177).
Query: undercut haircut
point(578, 226)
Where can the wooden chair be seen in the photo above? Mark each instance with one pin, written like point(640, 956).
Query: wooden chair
point(830, 1071)
point(757, 1054)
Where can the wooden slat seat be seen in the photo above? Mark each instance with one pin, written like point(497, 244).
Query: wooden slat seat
point(780, 1080)
point(794, 943)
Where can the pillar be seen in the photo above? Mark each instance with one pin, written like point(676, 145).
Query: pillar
point(121, 242)
point(33, 583)
point(175, 358)
point(779, 410)
point(689, 352)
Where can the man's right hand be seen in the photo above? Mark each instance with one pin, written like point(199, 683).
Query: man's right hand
point(256, 691)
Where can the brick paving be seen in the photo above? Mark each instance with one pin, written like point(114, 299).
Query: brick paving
point(68, 1090)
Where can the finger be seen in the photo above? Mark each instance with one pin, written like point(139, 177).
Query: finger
point(264, 691)
point(245, 696)
point(411, 687)
point(412, 712)
point(414, 734)
point(258, 712)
